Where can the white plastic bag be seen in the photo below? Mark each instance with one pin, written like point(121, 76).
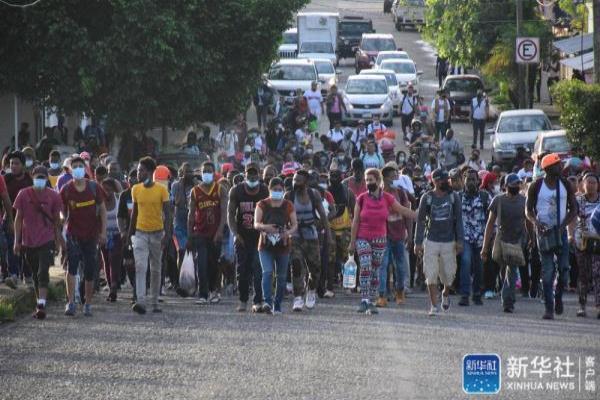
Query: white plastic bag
point(350, 273)
point(187, 275)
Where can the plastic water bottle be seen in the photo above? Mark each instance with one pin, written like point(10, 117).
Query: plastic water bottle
point(349, 280)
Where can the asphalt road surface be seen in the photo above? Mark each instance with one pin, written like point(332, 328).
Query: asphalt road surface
point(213, 352)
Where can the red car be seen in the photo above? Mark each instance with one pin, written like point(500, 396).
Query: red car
point(370, 46)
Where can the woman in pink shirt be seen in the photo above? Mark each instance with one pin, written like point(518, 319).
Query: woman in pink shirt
point(369, 235)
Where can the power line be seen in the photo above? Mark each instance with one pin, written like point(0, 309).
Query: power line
point(19, 5)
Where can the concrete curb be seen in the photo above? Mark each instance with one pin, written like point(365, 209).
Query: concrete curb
point(19, 301)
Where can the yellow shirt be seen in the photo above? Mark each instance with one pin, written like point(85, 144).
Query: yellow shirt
point(149, 206)
point(53, 179)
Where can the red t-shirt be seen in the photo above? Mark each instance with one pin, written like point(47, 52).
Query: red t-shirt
point(38, 226)
point(373, 215)
point(357, 188)
point(208, 210)
point(396, 225)
point(14, 184)
point(83, 222)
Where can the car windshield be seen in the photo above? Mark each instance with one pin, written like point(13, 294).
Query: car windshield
point(416, 3)
point(556, 144)
point(316, 47)
point(377, 44)
point(366, 86)
point(292, 73)
point(354, 28)
point(290, 38)
point(464, 85)
point(324, 67)
point(382, 57)
point(390, 78)
point(524, 123)
point(399, 68)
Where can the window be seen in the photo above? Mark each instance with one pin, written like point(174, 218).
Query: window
point(378, 44)
point(281, 72)
point(390, 78)
point(354, 28)
point(524, 123)
point(316, 47)
point(382, 57)
point(324, 67)
point(290, 38)
point(366, 86)
point(556, 144)
point(464, 85)
point(399, 68)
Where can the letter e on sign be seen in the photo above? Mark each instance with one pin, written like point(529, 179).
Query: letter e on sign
point(527, 50)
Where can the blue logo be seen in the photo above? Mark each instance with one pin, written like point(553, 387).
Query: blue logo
point(481, 373)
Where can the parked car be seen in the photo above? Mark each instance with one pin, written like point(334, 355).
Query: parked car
point(393, 88)
point(289, 44)
point(286, 76)
point(554, 141)
point(461, 89)
point(327, 74)
point(370, 46)
point(366, 96)
point(516, 129)
point(386, 55)
point(406, 71)
point(350, 31)
point(408, 13)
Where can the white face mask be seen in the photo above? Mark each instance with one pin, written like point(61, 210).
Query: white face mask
point(397, 183)
point(496, 188)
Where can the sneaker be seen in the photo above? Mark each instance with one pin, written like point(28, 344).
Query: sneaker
point(138, 308)
point(156, 310)
point(11, 282)
point(548, 315)
point(372, 309)
point(363, 307)
point(277, 309)
point(464, 301)
point(489, 295)
point(289, 287)
point(298, 304)
point(311, 299)
point(581, 312)
point(112, 297)
point(87, 310)
point(558, 307)
point(400, 296)
point(70, 309)
point(381, 302)
point(508, 309)
point(257, 308)
point(445, 302)
point(40, 312)
point(214, 298)
point(201, 301)
point(266, 308)
point(407, 290)
point(433, 311)
point(477, 301)
point(329, 294)
point(242, 306)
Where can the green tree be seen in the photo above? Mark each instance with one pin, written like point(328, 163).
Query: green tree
point(578, 104)
point(141, 63)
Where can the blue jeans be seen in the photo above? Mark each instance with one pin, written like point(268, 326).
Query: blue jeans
point(206, 265)
point(395, 250)
point(268, 259)
point(470, 264)
point(549, 269)
point(440, 130)
point(508, 285)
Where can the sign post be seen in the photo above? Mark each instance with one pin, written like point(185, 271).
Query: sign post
point(527, 52)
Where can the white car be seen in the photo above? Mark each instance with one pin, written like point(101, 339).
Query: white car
point(516, 129)
point(406, 71)
point(327, 74)
point(366, 96)
point(286, 76)
point(389, 54)
point(289, 44)
point(312, 50)
point(393, 88)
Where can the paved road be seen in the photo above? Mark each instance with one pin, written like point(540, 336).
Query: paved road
point(213, 352)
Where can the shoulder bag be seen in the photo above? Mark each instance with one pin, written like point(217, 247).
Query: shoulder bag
point(505, 253)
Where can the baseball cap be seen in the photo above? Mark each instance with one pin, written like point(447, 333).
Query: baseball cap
point(39, 170)
point(550, 160)
point(439, 174)
point(252, 167)
point(512, 179)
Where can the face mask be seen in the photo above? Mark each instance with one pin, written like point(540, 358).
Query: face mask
point(471, 188)
point(54, 165)
point(28, 162)
point(335, 181)
point(397, 183)
point(276, 195)
point(78, 173)
point(207, 177)
point(129, 205)
point(445, 186)
point(401, 160)
point(341, 158)
point(147, 182)
point(497, 188)
point(252, 184)
point(294, 149)
point(39, 183)
point(309, 151)
point(323, 186)
point(8, 171)
point(372, 187)
point(514, 190)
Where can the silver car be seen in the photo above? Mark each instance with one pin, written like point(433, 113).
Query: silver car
point(366, 96)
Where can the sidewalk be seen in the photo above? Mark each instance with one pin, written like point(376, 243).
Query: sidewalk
point(15, 302)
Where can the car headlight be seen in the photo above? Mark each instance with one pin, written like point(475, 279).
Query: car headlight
point(386, 104)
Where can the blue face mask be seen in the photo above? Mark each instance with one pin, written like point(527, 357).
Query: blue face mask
point(147, 182)
point(276, 195)
point(39, 183)
point(207, 177)
point(54, 165)
point(252, 184)
point(78, 173)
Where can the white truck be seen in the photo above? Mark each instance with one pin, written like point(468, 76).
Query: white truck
point(408, 13)
point(317, 35)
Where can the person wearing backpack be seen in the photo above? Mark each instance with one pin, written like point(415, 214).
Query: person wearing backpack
point(474, 203)
point(275, 219)
point(305, 241)
point(480, 110)
point(85, 215)
point(439, 237)
point(372, 158)
point(551, 207)
point(408, 106)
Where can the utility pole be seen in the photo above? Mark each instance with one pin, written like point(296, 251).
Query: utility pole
point(596, 39)
point(520, 85)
